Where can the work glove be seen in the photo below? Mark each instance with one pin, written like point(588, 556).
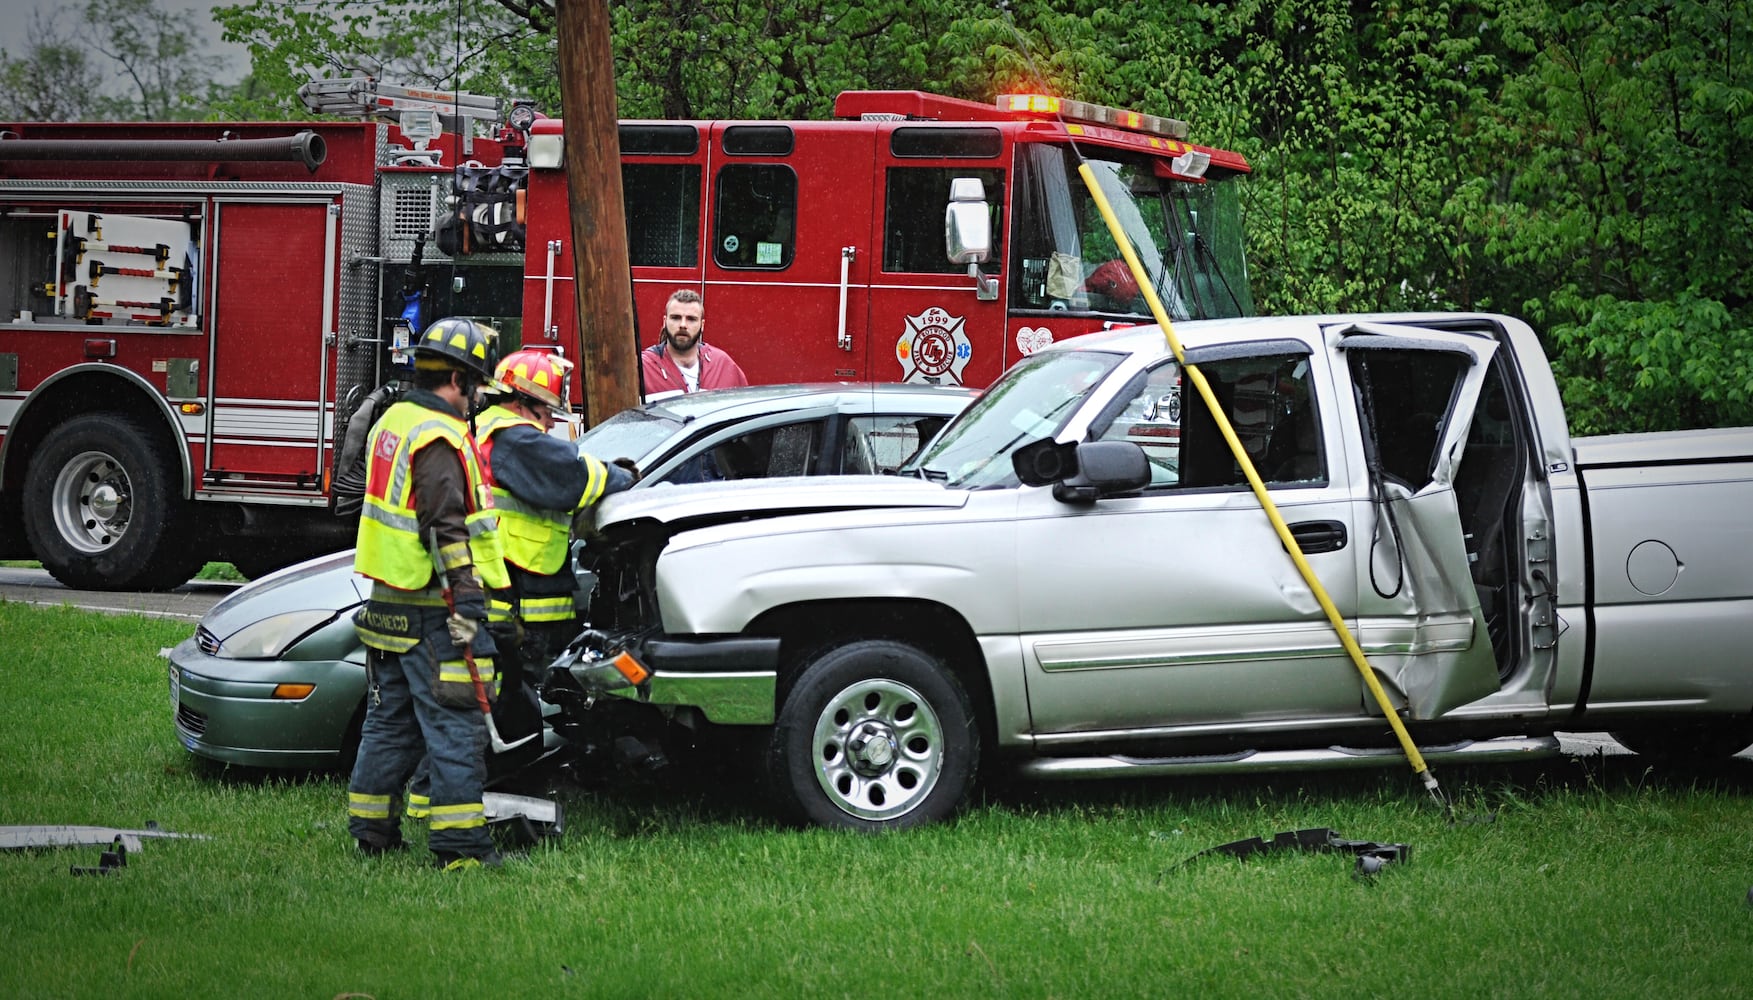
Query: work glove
point(462, 630)
point(628, 464)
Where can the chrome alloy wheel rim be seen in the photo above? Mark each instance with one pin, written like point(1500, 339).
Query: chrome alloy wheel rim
point(92, 502)
point(879, 749)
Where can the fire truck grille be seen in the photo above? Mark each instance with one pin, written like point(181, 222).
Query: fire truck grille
point(191, 721)
point(207, 641)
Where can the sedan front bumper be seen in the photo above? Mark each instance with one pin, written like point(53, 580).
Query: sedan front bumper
point(227, 709)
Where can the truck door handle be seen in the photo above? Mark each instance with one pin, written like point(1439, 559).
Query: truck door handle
point(1319, 536)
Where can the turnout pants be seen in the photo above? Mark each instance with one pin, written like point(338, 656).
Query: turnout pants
point(403, 724)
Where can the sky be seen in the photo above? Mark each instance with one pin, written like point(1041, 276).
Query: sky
point(15, 28)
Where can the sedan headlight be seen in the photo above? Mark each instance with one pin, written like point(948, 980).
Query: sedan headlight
point(270, 637)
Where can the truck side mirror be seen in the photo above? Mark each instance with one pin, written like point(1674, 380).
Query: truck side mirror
point(1082, 471)
point(967, 233)
point(1104, 469)
point(1039, 463)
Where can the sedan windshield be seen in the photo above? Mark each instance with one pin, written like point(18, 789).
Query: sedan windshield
point(1032, 401)
point(631, 434)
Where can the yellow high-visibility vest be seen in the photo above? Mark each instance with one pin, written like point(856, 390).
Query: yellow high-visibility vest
point(534, 538)
point(390, 547)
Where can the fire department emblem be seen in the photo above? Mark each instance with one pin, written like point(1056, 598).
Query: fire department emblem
point(934, 348)
point(1030, 339)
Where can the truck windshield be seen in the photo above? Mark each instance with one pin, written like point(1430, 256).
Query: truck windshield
point(1032, 401)
point(1188, 236)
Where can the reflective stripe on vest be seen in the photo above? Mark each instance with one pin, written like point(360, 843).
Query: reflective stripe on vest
point(533, 537)
point(390, 547)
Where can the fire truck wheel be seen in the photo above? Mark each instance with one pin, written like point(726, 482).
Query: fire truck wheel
point(100, 510)
point(876, 736)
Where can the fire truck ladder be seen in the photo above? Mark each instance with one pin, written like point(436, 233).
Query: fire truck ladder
point(415, 111)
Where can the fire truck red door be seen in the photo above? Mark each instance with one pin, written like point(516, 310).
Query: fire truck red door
point(928, 323)
point(788, 251)
point(272, 369)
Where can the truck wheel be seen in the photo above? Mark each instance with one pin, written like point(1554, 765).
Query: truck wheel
point(875, 736)
point(1690, 741)
point(100, 511)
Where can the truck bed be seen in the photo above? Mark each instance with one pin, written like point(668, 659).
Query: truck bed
point(1670, 568)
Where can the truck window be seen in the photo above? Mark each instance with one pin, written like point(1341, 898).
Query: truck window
point(1407, 396)
point(1270, 405)
point(755, 225)
point(913, 212)
point(663, 213)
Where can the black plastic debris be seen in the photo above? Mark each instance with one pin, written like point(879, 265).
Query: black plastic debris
point(1372, 856)
point(108, 863)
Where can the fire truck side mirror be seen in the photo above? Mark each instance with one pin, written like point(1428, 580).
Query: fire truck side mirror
point(967, 223)
point(967, 233)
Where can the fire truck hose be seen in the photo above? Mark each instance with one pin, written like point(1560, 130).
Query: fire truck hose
point(1416, 759)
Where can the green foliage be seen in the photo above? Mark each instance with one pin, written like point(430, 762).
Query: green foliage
point(1621, 217)
point(473, 45)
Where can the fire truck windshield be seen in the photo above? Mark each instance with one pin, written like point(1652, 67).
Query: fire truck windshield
point(1188, 235)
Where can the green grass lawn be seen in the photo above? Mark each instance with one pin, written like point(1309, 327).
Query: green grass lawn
point(1597, 878)
point(211, 571)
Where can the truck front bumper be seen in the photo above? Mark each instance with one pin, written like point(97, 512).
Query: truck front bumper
point(731, 679)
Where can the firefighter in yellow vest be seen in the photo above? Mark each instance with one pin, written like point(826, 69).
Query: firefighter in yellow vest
point(540, 482)
point(424, 482)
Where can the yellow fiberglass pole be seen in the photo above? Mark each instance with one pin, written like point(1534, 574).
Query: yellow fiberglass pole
point(1416, 759)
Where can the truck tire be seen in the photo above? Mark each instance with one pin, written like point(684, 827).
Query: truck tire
point(875, 736)
point(1693, 741)
point(100, 509)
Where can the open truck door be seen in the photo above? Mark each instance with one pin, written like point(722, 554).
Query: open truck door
point(1413, 392)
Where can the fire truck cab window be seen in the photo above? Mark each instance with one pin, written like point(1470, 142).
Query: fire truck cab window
point(755, 225)
point(101, 267)
point(913, 240)
point(1187, 235)
point(663, 213)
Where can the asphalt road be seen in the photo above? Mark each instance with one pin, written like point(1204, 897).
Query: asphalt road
point(188, 602)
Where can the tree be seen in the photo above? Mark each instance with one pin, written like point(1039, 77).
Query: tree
point(476, 45)
point(1619, 215)
point(130, 60)
point(158, 54)
point(54, 80)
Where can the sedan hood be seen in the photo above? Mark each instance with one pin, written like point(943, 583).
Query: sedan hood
point(326, 583)
point(706, 503)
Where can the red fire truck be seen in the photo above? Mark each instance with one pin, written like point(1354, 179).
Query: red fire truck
point(191, 313)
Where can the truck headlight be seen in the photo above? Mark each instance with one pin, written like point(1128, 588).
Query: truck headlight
point(600, 673)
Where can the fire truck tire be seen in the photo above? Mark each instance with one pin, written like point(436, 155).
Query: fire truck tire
point(100, 509)
point(877, 735)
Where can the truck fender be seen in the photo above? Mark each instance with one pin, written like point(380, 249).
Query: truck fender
point(47, 388)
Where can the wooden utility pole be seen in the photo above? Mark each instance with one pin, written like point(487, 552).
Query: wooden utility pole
point(603, 286)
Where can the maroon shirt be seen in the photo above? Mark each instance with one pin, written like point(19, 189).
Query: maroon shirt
point(717, 370)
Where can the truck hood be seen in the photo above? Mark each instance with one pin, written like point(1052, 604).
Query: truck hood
point(701, 504)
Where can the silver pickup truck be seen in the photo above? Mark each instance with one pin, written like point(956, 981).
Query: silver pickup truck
point(1074, 578)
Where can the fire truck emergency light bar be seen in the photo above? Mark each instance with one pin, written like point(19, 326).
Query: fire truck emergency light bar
point(1093, 114)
